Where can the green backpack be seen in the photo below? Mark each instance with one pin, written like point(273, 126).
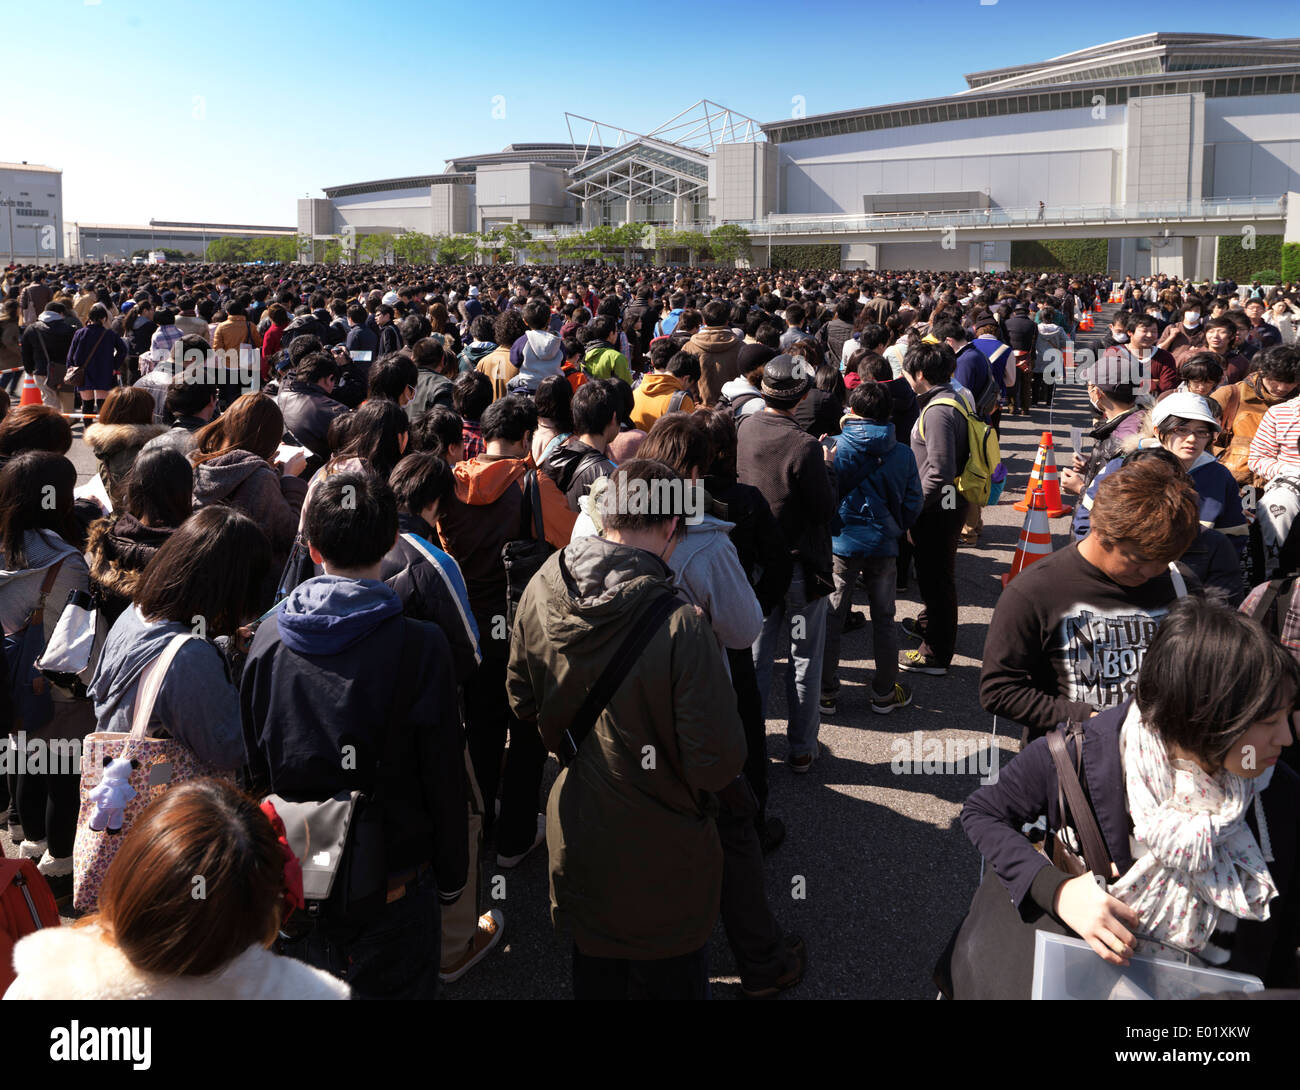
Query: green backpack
point(975, 482)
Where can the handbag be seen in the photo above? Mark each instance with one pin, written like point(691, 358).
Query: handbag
point(524, 556)
point(78, 370)
point(72, 651)
point(991, 953)
point(157, 764)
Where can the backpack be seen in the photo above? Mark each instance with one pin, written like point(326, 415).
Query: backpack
point(31, 704)
point(725, 402)
point(26, 905)
point(975, 482)
point(675, 402)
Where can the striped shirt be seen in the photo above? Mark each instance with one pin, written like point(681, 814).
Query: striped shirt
point(1276, 446)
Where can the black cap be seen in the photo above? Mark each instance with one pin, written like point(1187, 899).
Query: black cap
point(786, 380)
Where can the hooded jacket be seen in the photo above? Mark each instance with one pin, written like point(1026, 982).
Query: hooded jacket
point(197, 704)
point(484, 512)
point(83, 963)
point(20, 588)
point(708, 574)
point(733, 391)
point(635, 858)
point(719, 352)
point(754, 532)
point(116, 446)
point(1244, 405)
point(879, 488)
point(118, 550)
point(336, 664)
point(249, 484)
point(1049, 346)
point(652, 399)
point(431, 388)
point(473, 352)
point(941, 453)
point(603, 360)
point(46, 341)
point(498, 367)
point(308, 412)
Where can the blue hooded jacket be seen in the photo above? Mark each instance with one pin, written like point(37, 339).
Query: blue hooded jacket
point(880, 489)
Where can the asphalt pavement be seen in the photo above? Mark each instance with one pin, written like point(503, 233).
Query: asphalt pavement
point(875, 871)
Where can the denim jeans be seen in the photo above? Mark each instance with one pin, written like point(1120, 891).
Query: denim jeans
point(935, 539)
point(881, 573)
point(393, 957)
point(798, 627)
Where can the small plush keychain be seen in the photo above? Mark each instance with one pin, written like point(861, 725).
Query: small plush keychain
point(111, 795)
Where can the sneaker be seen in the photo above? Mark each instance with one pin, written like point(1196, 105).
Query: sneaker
point(899, 698)
point(771, 834)
point(793, 963)
point(800, 762)
point(491, 926)
point(31, 849)
point(911, 628)
point(58, 875)
point(506, 862)
point(828, 703)
point(855, 620)
point(917, 663)
point(15, 832)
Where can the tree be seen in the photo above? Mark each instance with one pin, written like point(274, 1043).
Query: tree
point(728, 242)
point(413, 247)
point(375, 247)
point(538, 250)
point(455, 249)
point(226, 249)
point(333, 252)
point(514, 237)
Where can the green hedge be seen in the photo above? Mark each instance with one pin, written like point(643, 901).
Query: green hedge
point(1290, 262)
point(1075, 255)
point(1240, 264)
point(826, 256)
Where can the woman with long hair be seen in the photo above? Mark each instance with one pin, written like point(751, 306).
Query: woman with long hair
point(101, 355)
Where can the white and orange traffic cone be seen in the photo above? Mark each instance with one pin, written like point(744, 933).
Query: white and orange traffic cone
point(1035, 539)
point(1045, 480)
point(31, 394)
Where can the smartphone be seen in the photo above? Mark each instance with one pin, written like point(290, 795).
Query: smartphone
point(361, 356)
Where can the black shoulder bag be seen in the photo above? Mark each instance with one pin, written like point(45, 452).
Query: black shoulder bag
point(524, 556)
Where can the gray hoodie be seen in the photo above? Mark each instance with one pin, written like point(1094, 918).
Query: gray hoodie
point(197, 705)
point(707, 572)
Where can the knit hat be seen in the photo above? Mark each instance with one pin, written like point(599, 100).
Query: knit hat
point(786, 380)
point(751, 355)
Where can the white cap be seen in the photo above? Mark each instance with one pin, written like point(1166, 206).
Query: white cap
point(1186, 406)
point(390, 298)
point(473, 291)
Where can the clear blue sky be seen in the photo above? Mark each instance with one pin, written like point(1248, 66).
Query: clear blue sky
point(228, 112)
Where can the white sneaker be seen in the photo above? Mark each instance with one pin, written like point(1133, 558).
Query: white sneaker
point(505, 862)
point(15, 832)
point(31, 849)
point(491, 926)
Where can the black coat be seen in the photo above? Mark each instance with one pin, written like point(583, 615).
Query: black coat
point(44, 343)
point(1027, 788)
point(308, 412)
point(1022, 333)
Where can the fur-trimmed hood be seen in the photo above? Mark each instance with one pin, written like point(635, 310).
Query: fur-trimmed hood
point(109, 440)
point(79, 963)
point(118, 550)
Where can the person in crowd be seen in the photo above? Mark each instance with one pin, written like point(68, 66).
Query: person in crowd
point(636, 858)
point(1022, 337)
point(393, 378)
point(471, 396)
point(485, 510)
point(151, 939)
point(440, 431)
point(11, 347)
point(305, 401)
point(744, 395)
point(789, 467)
point(941, 445)
point(34, 427)
point(46, 341)
point(583, 458)
point(1069, 632)
point(482, 342)
point(40, 566)
point(319, 668)
point(437, 370)
point(188, 576)
point(124, 426)
point(157, 498)
point(1260, 335)
point(1194, 808)
point(554, 400)
point(237, 335)
point(101, 356)
point(1275, 447)
point(879, 501)
point(1049, 356)
point(500, 365)
point(718, 350)
point(668, 385)
point(1112, 397)
point(601, 358)
point(1244, 404)
point(233, 465)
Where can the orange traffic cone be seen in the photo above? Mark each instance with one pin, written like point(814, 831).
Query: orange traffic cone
point(1096, 305)
point(1035, 539)
point(31, 395)
point(1045, 479)
point(1085, 323)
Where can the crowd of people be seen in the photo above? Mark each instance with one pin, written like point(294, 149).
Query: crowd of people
point(375, 543)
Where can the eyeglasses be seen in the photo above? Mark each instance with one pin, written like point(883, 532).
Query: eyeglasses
point(1184, 432)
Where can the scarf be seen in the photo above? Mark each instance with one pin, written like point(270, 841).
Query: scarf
point(1200, 857)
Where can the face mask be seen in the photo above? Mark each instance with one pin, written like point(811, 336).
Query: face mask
point(1120, 338)
point(1191, 319)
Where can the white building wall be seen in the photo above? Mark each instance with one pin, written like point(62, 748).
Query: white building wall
point(1256, 145)
point(31, 215)
point(404, 209)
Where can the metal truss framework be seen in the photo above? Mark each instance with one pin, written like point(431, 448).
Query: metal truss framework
point(668, 162)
